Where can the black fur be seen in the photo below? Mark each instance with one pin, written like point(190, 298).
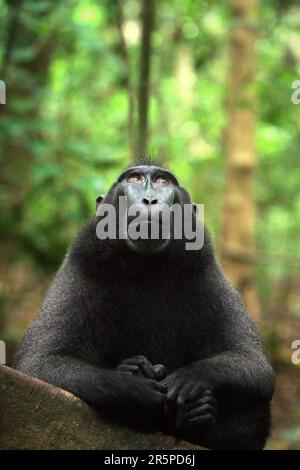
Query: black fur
point(112, 315)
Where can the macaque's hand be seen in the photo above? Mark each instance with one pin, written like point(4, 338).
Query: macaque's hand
point(190, 401)
point(141, 367)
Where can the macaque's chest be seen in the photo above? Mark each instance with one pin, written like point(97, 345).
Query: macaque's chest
point(167, 327)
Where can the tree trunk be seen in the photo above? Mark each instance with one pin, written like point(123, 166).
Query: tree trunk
point(147, 17)
point(238, 241)
point(128, 78)
point(24, 68)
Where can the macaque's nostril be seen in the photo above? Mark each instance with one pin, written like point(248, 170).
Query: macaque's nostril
point(148, 201)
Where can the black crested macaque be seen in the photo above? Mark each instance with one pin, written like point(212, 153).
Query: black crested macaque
point(150, 330)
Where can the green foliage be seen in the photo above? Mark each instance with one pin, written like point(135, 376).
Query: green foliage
point(82, 107)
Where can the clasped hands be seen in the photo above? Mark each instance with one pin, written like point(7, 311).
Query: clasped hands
point(187, 400)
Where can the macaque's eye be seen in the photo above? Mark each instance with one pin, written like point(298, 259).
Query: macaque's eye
point(161, 180)
point(135, 179)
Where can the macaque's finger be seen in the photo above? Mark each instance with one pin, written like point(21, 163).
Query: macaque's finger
point(130, 369)
point(197, 392)
point(206, 418)
point(207, 399)
point(159, 386)
point(145, 366)
point(199, 411)
point(160, 371)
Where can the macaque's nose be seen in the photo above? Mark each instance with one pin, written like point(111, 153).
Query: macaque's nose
point(149, 201)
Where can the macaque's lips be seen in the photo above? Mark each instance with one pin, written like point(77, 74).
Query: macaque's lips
point(153, 242)
point(149, 230)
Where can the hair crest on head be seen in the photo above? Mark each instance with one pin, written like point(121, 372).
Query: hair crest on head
point(148, 159)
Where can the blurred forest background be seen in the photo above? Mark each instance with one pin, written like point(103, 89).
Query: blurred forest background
point(207, 86)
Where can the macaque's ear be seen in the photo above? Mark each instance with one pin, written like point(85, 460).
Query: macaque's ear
point(99, 200)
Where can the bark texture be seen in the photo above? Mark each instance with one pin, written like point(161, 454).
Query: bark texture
point(36, 415)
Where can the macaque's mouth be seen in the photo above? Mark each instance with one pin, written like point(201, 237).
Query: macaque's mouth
point(148, 230)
